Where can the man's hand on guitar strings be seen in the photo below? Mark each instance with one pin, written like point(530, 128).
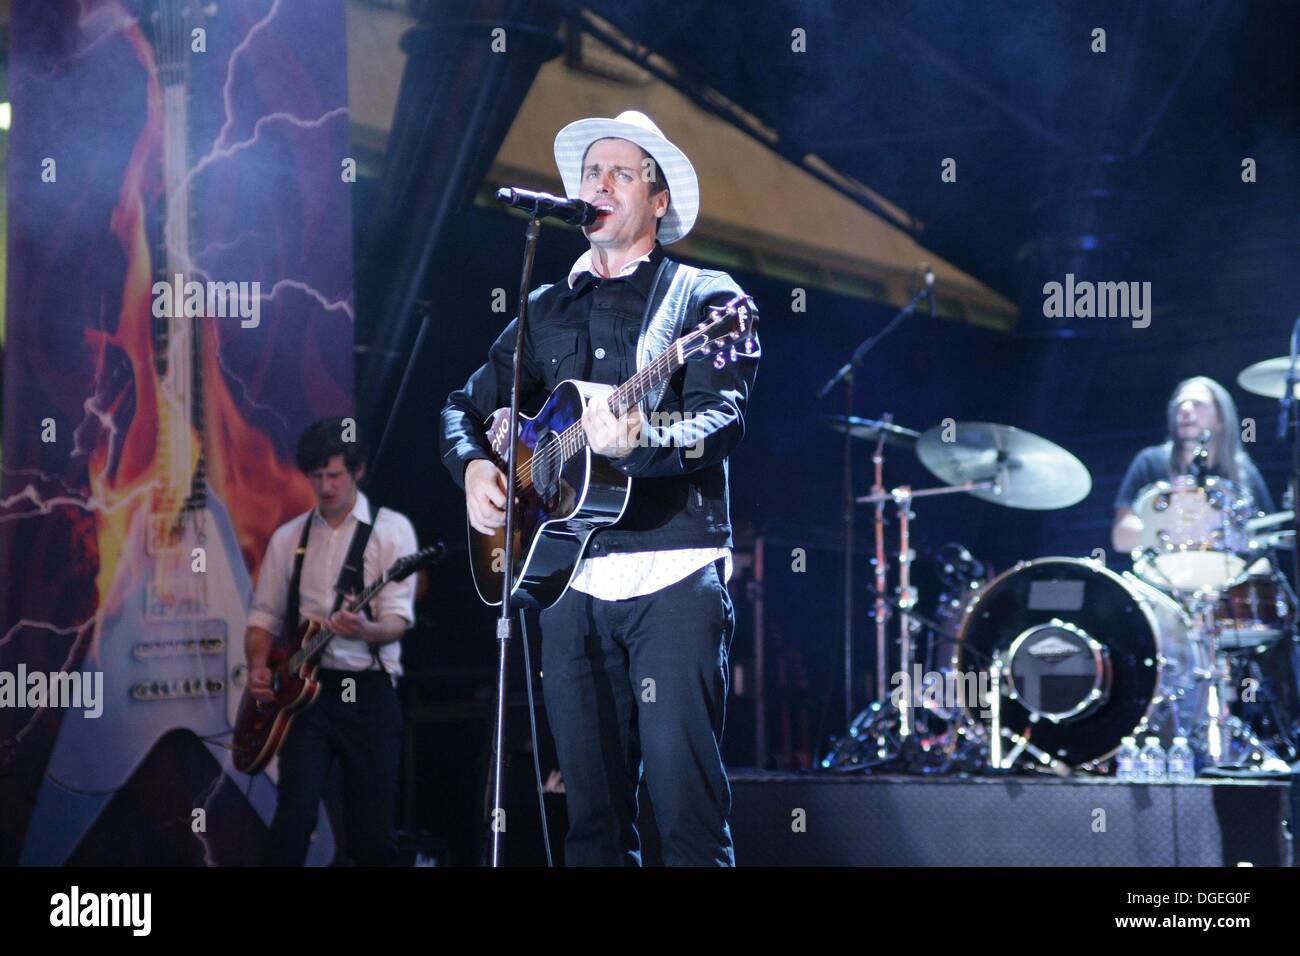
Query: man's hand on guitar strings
point(485, 496)
point(259, 683)
point(607, 434)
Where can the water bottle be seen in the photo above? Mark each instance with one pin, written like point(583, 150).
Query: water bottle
point(1182, 762)
point(1151, 761)
point(1126, 760)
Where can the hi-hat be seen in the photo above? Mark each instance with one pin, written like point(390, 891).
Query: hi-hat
point(869, 429)
point(1035, 473)
point(1267, 378)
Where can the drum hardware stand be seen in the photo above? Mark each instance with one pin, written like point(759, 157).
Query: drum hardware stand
point(1228, 741)
point(995, 691)
point(998, 733)
point(874, 732)
point(882, 569)
point(845, 374)
point(1045, 761)
point(906, 601)
point(892, 723)
point(1289, 421)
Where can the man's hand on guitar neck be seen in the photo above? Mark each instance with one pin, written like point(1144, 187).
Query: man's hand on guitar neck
point(360, 628)
point(607, 434)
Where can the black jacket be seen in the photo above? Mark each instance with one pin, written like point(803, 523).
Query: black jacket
point(679, 498)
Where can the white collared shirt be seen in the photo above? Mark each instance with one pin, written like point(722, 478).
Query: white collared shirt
point(617, 577)
point(584, 265)
point(393, 537)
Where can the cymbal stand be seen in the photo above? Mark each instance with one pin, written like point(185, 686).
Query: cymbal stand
point(881, 612)
point(906, 601)
point(904, 703)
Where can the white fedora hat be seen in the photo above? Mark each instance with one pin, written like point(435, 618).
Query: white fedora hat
point(684, 189)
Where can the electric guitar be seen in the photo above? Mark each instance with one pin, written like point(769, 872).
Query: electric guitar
point(262, 726)
point(564, 492)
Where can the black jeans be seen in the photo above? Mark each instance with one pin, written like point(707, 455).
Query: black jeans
point(637, 685)
point(365, 736)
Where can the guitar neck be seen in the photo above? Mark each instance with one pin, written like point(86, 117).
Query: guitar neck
point(177, 337)
point(573, 439)
point(322, 637)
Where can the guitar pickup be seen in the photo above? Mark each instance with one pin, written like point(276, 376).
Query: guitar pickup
point(149, 650)
point(184, 688)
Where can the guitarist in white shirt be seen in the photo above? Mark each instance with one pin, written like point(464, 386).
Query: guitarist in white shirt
point(635, 652)
point(357, 719)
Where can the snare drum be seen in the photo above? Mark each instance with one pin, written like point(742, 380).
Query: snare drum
point(1193, 535)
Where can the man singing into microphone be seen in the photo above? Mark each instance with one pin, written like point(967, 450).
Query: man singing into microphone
point(1198, 405)
point(634, 655)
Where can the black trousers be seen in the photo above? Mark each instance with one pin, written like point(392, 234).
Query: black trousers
point(365, 737)
point(641, 685)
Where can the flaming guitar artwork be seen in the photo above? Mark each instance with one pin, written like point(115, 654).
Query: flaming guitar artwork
point(173, 584)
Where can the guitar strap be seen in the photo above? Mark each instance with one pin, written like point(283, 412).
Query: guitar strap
point(292, 609)
point(351, 576)
point(666, 313)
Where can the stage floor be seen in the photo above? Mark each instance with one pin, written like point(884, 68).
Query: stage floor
point(831, 819)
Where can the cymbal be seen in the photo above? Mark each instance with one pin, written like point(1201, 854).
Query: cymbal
point(1037, 474)
point(1267, 378)
point(868, 429)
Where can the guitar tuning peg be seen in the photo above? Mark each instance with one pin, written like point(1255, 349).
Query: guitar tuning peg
point(719, 361)
point(732, 353)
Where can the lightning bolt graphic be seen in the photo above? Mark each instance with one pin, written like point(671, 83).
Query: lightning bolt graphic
point(227, 90)
point(45, 506)
point(336, 305)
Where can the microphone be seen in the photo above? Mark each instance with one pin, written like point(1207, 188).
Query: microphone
point(1201, 457)
point(545, 206)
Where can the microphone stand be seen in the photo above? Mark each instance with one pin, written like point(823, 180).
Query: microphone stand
point(1290, 421)
point(845, 374)
point(505, 621)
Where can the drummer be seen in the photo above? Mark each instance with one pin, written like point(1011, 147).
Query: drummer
point(1198, 405)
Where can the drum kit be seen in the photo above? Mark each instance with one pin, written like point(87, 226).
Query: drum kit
point(1051, 664)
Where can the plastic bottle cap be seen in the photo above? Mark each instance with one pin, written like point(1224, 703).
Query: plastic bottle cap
point(1129, 740)
point(1152, 740)
point(1180, 740)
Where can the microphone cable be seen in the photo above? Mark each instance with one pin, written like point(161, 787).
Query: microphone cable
point(532, 725)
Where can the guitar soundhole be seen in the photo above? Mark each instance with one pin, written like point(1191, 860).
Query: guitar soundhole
point(546, 467)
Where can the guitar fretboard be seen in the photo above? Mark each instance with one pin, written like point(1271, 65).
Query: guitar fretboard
point(324, 635)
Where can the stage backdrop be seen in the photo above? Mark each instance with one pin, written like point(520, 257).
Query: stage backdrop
point(179, 306)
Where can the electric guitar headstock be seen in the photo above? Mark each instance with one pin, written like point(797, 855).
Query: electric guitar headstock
point(403, 568)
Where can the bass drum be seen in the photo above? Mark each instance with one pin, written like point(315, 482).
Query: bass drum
point(1089, 657)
